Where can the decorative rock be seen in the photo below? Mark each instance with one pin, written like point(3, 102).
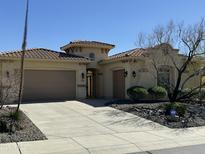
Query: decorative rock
point(194, 115)
point(160, 112)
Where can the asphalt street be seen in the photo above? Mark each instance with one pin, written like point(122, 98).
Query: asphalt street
point(195, 149)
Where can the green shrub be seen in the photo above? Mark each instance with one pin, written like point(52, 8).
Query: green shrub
point(184, 91)
point(3, 127)
point(158, 92)
point(202, 95)
point(187, 90)
point(179, 107)
point(137, 93)
point(15, 115)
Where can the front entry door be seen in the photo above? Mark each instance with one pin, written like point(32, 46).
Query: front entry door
point(91, 83)
point(119, 84)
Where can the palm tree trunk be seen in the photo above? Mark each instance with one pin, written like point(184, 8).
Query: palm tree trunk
point(22, 59)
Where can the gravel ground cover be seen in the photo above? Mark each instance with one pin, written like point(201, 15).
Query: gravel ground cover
point(194, 115)
point(17, 130)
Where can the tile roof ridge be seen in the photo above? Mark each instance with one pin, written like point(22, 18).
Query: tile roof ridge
point(134, 50)
point(128, 51)
point(29, 49)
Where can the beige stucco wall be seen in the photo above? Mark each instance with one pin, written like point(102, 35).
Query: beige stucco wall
point(141, 79)
point(146, 74)
point(99, 54)
point(107, 77)
point(195, 81)
point(12, 65)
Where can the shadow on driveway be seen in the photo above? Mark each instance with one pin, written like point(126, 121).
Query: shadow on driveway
point(103, 102)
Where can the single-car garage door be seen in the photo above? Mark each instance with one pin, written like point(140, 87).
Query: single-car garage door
point(46, 85)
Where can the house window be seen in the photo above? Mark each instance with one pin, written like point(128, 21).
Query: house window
point(92, 56)
point(163, 78)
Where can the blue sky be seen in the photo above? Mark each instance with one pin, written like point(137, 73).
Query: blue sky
point(53, 23)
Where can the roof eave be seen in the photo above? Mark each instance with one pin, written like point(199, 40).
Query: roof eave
point(107, 61)
point(51, 60)
point(63, 48)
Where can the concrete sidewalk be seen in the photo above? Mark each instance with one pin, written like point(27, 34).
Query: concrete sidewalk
point(75, 127)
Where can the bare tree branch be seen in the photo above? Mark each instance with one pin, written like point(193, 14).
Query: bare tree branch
point(189, 39)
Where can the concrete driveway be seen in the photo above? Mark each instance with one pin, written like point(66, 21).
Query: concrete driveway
point(75, 127)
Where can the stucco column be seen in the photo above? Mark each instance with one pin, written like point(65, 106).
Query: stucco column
point(81, 83)
point(128, 78)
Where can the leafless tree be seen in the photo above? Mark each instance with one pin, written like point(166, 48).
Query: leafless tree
point(190, 40)
point(4, 94)
point(8, 89)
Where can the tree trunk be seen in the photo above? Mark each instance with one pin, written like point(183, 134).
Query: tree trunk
point(173, 97)
point(22, 59)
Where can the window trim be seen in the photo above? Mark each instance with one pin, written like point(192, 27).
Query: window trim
point(92, 56)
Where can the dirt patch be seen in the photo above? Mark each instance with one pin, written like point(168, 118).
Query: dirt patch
point(194, 116)
point(17, 128)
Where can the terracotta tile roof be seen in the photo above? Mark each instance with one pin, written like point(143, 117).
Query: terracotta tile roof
point(87, 43)
point(137, 52)
point(41, 53)
point(130, 53)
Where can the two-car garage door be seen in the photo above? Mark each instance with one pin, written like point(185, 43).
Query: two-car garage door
point(43, 85)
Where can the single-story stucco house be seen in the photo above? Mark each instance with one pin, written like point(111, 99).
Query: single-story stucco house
point(84, 69)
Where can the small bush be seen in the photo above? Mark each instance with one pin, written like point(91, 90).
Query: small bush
point(202, 95)
point(184, 91)
point(3, 127)
point(137, 93)
point(15, 115)
point(158, 92)
point(179, 107)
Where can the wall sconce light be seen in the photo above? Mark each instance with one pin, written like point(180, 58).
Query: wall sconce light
point(83, 76)
point(134, 74)
point(125, 74)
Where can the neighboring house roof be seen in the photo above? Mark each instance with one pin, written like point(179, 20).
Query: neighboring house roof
point(43, 54)
point(85, 43)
